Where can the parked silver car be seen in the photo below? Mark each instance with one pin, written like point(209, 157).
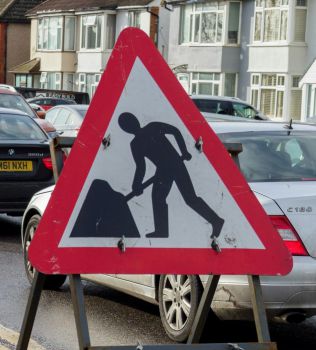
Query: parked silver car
point(67, 119)
point(226, 107)
point(279, 163)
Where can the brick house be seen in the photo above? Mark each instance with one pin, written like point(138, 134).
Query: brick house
point(14, 35)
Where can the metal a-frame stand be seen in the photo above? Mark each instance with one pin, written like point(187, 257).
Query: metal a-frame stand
point(77, 296)
point(198, 325)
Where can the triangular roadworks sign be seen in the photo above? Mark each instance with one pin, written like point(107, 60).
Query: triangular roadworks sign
point(137, 193)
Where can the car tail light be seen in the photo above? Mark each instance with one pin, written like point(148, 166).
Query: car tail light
point(289, 235)
point(48, 163)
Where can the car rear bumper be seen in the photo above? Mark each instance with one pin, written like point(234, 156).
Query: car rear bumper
point(15, 196)
point(282, 294)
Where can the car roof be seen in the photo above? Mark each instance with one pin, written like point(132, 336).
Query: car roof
point(219, 98)
point(48, 97)
point(12, 111)
point(8, 92)
point(257, 126)
point(74, 107)
point(7, 87)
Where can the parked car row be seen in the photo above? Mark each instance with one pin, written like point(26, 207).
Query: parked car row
point(277, 160)
point(280, 166)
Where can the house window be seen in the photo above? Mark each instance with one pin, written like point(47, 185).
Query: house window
point(49, 33)
point(23, 80)
point(88, 82)
point(296, 98)
point(203, 23)
point(205, 84)
point(69, 36)
point(267, 93)
point(134, 19)
point(68, 81)
point(233, 23)
point(271, 20)
point(300, 20)
point(51, 80)
point(230, 84)
point(91, 30)
point(110, 31)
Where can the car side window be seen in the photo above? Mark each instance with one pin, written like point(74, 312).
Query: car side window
point(62, 117)
point(71, 119)
point(44, 102)
point(223, 107)
point(51, 115)
point(243, 111)
point(205, 105)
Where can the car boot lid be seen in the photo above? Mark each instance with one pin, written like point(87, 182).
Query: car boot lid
point(297, 200)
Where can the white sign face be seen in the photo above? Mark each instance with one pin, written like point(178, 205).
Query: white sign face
point(139, 195)
point(185, 204)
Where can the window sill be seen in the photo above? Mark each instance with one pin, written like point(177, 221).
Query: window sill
point(47, 50)
point(278, 44)
point(209, 45)
point(90, 50)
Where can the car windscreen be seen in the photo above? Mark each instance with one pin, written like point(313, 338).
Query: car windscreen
point(16, 102)
point(19, 127)
point(276, 156)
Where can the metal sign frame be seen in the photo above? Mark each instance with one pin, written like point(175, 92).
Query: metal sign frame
point(84, 342)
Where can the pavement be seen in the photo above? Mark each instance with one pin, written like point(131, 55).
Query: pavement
point(9, 339)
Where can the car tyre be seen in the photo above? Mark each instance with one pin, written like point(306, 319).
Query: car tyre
point(179, 297)
point(51, 281)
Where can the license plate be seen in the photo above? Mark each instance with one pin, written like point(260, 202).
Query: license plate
point(16, 165)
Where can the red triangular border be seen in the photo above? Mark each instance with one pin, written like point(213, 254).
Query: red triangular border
point(48, 258)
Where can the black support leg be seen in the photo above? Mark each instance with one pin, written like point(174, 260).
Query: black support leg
point(31, 309)
point(80, 313)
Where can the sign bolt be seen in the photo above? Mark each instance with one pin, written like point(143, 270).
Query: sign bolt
point(106, 141)
point(215, 245)
point(121, 244)
point(199, 144)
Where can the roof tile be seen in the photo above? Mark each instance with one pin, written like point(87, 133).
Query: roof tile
point(68, 5)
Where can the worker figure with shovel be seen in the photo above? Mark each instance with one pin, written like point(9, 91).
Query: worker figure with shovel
point(151, 142)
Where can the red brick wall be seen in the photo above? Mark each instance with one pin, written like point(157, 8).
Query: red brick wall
point(3, 30)
point(154, 24)
point(18, 47)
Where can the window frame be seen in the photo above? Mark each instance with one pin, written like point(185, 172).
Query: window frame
point(224, 30)
point(258, 87)
point(44, 80)
point(96, 48)
point(74, 36)
point(262, 9)
point(39, 46)
point(213, 81)
point(134, 18)
point(226, 26)
point(82, 82)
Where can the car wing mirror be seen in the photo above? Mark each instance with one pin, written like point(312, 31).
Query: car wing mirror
point(41, 114)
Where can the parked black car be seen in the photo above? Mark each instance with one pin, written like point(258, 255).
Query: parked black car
point(25, 161)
